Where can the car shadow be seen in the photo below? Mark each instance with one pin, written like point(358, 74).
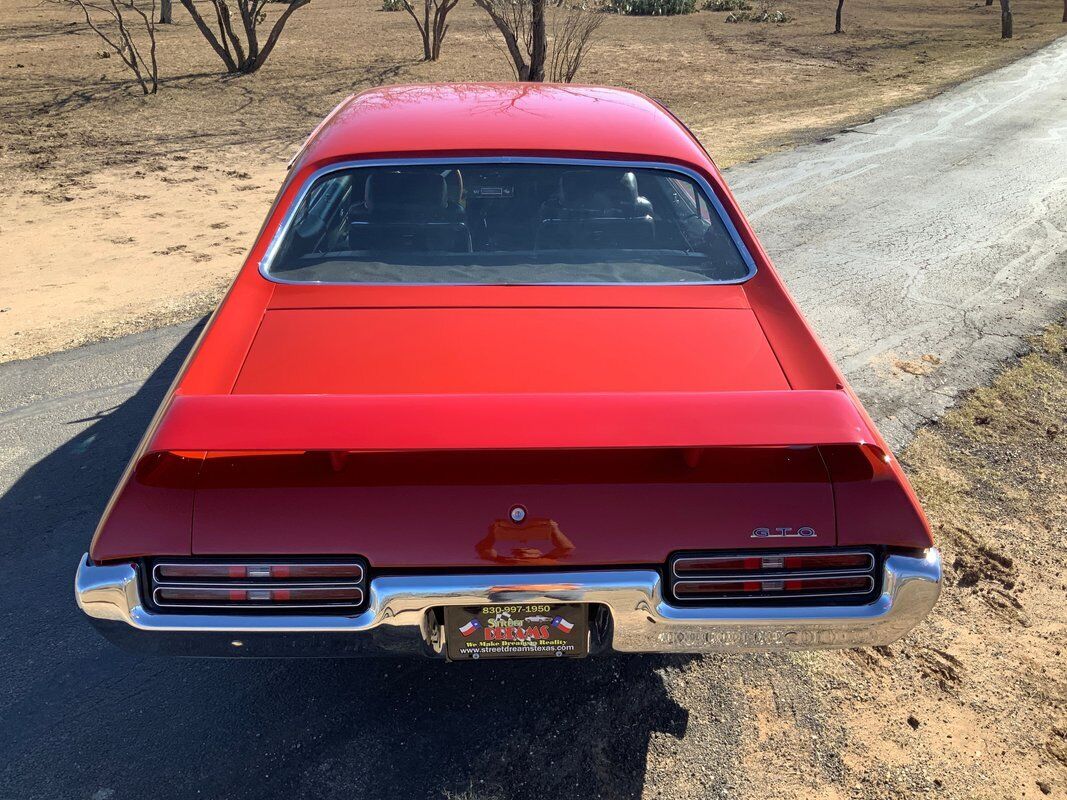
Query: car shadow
point(84, 719)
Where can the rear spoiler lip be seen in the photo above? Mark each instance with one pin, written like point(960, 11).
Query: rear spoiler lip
point(382, 423)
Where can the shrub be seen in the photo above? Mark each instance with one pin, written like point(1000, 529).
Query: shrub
point(242, 45)
point(549, 45)
point(653, 8)
point(765, 13)
point(726, 5)
point(392, 5)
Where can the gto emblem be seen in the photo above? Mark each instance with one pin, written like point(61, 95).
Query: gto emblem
point(517, 514)
point(783, 533)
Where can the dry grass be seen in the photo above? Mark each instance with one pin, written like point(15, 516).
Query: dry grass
point(744, 88)
point(122, 211)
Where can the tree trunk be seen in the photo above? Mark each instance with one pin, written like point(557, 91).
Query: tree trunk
point(275, 33)
point(989, 2)
point(427, 53)
point(216, 45)
point(1005, 19)
point(435, 44)
point(539, 42)
point(522, 71)
point(438, 35)
point(154, 63)
point(841, 6)
point(440, 27)
point(423, 25)
point(166, 12)
point(1065, 10)
point(249, 23)
point(222, 10)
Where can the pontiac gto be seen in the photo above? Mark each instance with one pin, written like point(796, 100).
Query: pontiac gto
point(507, 374)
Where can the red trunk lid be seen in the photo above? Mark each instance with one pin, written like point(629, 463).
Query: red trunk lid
point(488, 350)
point(452, 509)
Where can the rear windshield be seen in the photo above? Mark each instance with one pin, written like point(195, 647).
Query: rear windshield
point(497, 223)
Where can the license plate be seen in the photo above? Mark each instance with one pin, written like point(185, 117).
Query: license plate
point(531, 630)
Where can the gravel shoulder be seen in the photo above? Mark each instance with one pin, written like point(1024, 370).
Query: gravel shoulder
point(974, 702)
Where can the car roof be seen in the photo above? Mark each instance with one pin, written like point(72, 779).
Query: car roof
point(502, 118)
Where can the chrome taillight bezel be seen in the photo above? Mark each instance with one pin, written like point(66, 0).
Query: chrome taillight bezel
point(773, 574)
point(258, 584)
point(259, 570)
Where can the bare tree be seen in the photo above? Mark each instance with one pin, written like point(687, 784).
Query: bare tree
point(840, 8)
point(1064, 11)
point(166, 12)
point(514, 20)
point(523, 25)
point(1005, 19)
point(432, 27)
point(241, 54)
point(538, 41)
point(572, 35)
point(118, 23)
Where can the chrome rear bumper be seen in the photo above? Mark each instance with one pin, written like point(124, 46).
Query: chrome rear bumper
point(396, 619)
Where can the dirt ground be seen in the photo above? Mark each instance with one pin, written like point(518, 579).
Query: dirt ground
point(123, 212)
point(973, 703)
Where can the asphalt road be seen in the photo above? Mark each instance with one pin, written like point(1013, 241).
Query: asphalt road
point(937, 230)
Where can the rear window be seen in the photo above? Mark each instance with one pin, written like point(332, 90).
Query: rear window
point(506, 223)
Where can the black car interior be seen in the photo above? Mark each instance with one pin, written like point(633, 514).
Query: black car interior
point(601, 208)
point(409, 211)
point(503, 220)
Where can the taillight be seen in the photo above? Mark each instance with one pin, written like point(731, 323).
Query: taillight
point(808, 562)
point(772, 576)
point(255, 571)
point(261, 585)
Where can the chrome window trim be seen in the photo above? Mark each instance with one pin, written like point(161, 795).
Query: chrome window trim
point(778, 571)
point(361, 222)
point(709, 191)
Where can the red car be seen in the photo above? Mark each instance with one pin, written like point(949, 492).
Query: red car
point(507, 374)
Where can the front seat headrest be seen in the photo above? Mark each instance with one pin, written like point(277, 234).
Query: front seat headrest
point(598, 189)
point(409, 191)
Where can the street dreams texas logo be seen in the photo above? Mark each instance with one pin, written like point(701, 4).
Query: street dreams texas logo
point(503, 627)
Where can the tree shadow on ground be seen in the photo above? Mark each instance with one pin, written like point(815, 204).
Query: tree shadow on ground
point(84, 717)
point(41, 30)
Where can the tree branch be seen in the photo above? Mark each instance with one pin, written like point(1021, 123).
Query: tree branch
point(275, 33)
point(208, 34)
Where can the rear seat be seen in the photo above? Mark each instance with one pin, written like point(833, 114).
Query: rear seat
point(409, 211)
point(597, 208)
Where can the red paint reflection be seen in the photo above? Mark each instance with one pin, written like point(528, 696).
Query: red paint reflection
point(536, 541)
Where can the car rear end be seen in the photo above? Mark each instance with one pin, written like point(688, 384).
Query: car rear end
point(668, 523)
point(405, 433)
